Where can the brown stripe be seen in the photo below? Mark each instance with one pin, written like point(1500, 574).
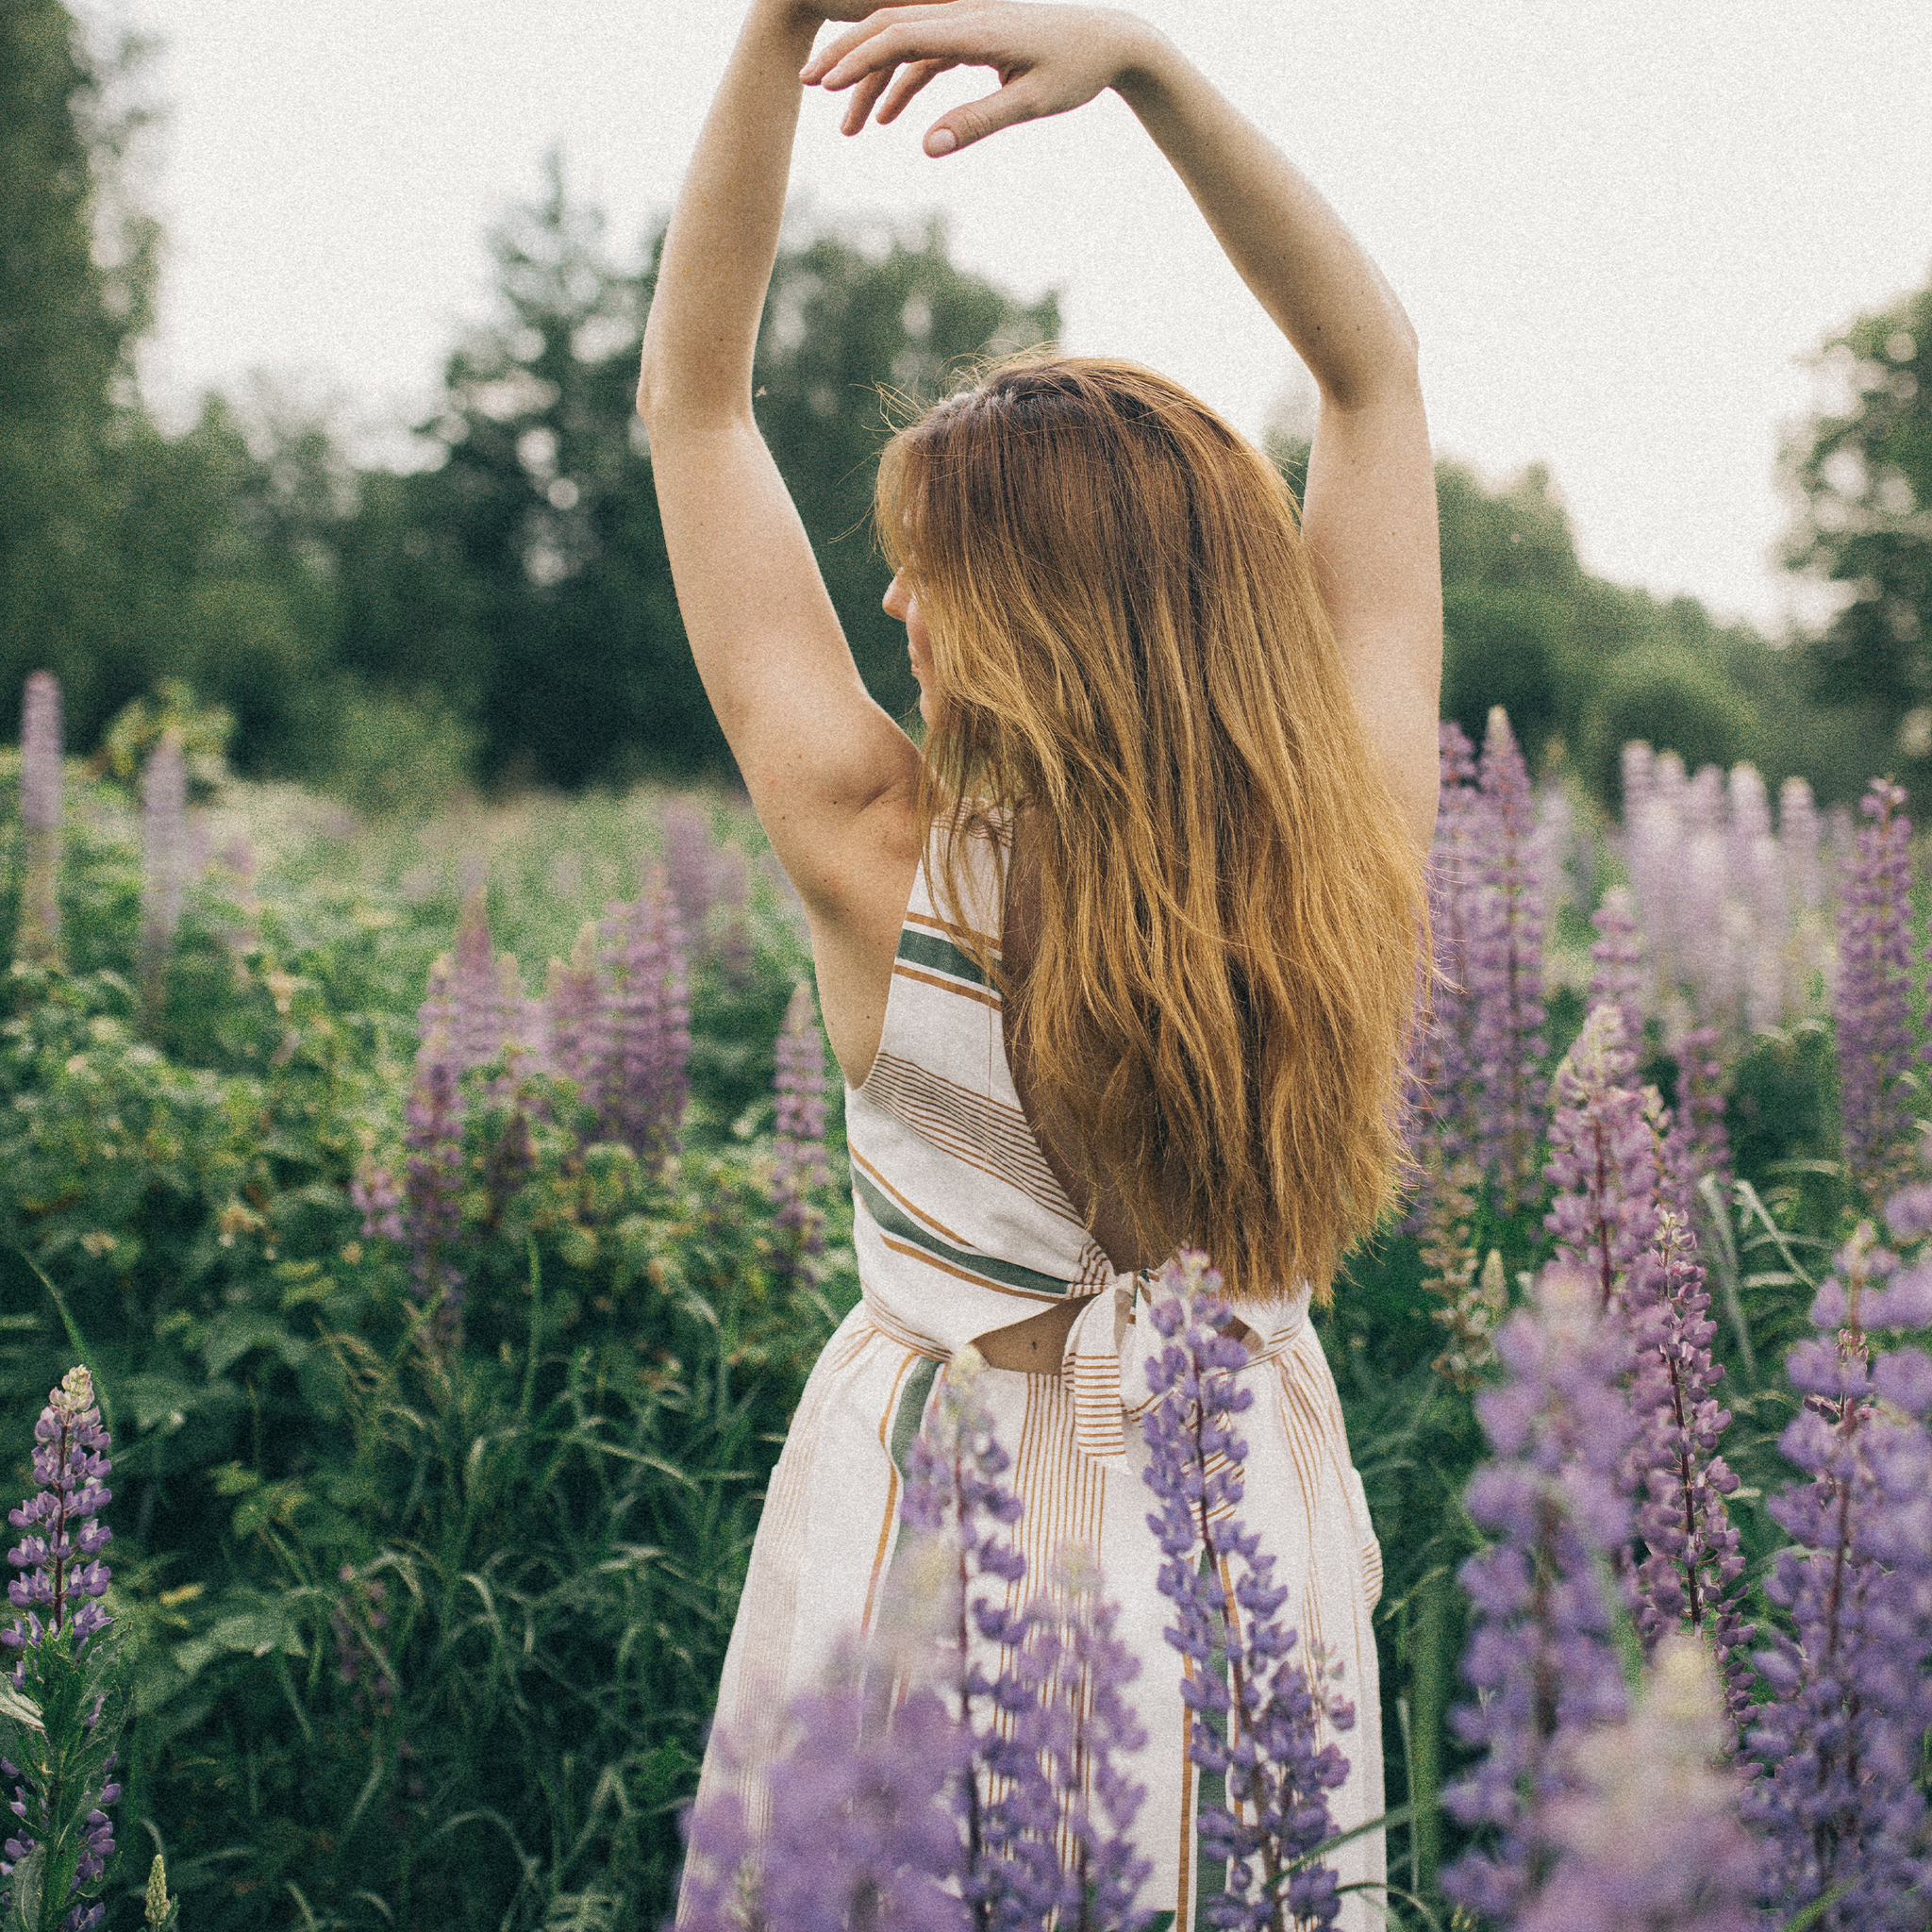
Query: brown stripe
point(973, 1127)
point(968, 992)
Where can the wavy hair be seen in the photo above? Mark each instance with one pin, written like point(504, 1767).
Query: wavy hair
point(1127, 643)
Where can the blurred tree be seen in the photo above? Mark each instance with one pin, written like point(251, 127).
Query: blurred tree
point(75, 269)
point(1862, 473)
point(524, 575)
point(854, 340)
point(1673, 700)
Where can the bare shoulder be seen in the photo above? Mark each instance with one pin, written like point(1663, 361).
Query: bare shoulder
point(862, 876)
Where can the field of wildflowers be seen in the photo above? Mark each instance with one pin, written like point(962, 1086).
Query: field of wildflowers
point(446, 1324)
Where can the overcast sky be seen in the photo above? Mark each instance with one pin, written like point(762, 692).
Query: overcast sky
point(1619, 229)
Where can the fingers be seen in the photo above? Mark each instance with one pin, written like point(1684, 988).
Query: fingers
point(962, 126)
point(891, 38)
point(862, 99)
point(907, 84)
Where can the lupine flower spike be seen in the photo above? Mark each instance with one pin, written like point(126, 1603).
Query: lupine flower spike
point(646, 1023)
point(1692, 1567)
point(1616, 965)
point(163, 1913)
point(63, 1785)
point(800, 1173)
point(37, 941)
point(857, 1831)
point(1442, 1100)
point(1542, 1657)
point(1650, 1837)
point(1261, 1729)
point(1839, 1742)
point(1874, 995)
point(1505, 973)
point(1602, 1157)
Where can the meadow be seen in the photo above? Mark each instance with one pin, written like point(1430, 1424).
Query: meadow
point(446, 1307)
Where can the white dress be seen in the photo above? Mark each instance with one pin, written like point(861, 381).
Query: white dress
point(960, 1228)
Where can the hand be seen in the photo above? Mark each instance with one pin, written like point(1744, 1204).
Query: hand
point(1050, 59)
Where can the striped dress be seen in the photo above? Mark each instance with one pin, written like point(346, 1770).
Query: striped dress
point(960, 1228)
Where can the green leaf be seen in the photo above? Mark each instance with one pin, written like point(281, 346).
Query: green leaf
point(21, 1709)
point(25, 1882)
point(257, 1633)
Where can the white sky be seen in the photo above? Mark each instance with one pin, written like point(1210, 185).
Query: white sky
point(1618, 227)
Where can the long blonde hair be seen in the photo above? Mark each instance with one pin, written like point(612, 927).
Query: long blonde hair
point(1127, 640)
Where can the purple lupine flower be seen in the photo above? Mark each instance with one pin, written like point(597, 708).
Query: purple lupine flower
point(1761, 905)
point(1700, 1137)
point(1620, 1217)
point(66, 1580)
point(690, 862)
point(1650, 1837)
point(1505, 973)
point(488, 1014)
point(573, 1018)
point(647, 1023)
point(164, 860)
point(1446, 1056)
point(433, 1177)
point(800, 1172)
point(861, 1834)
point(1044, 1811)
point(1261, 1728)
point(1692, 1566)
point(1874, 995)
point(374, 1194)
point(1541, 1657)
point(1840, 1745)
point(1603, 1157)
point(1005, 1797)
point(477, 1021)
point(37, 942)
point(1617, 963)
point(60, 1592)
point(1076, 1670)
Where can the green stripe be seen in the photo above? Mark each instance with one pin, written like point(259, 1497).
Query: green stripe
point(940, 956)
point(1210, 1789)
point(905, 1418)
point(891, 1217)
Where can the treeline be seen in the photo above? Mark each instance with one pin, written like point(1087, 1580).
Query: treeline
point(503, 614)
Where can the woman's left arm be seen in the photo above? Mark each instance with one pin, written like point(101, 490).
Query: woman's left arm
point(815, 751)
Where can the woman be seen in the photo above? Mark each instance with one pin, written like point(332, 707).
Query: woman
point(1121, 961)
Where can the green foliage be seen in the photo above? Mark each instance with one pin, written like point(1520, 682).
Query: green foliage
point(525, 1554)
point(76, 268)
point(539, 601)
point(1862, 473)
point(61, 1728)
point(1668, 698)
point(853, 340)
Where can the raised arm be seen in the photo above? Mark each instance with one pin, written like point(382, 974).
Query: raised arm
point(816, 753)
point(1370, 513)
